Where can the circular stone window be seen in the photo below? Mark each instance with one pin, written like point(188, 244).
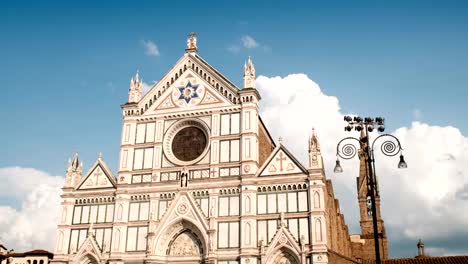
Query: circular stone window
point(189, 143)
point(186, 142)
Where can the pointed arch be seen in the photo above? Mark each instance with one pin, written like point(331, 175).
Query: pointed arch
point(60, 241)
point(247, 233)
point(318, 230)
point(173, 229)
point(316, 200)
point(119, 212)
point(117, 239)
point(284, 255)
point(64, 214)
point(247, 204)
point(185, 243)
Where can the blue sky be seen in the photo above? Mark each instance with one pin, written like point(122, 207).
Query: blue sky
point(65, 66)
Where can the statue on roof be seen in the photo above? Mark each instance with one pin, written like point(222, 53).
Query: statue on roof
point(192, 42)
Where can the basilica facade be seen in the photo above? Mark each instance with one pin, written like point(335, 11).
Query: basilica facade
point(200, 180)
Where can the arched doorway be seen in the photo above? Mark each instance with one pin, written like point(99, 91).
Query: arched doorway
point(185, 244)
point(181, 242)
point(284, 256)
point(88, 259)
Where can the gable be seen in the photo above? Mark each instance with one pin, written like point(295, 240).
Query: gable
point(281, 162)
point(99, 176)
point(172, 93)
point(189, 92)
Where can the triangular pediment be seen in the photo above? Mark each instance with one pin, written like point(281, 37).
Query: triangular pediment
point(88, 251)
point(191, 84)
point(189, 92)
point(184, 206)
point(281, 162)
point(99, 176)
point(283, 238)
point(182, 214)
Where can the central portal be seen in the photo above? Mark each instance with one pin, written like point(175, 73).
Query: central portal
point(185, 244)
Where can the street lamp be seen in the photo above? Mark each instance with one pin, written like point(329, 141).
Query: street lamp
point(390, 147)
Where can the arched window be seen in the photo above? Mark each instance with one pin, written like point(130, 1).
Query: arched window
point(318, 230)
point(316, 200)
point(35, 262)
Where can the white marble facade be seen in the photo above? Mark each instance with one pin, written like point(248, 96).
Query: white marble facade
point(199, 181)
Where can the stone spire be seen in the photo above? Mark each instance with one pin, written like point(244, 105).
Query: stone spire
point(135, 92)
point(315, 156)
point(74, 170)
point(249, 74)
point(191, 42)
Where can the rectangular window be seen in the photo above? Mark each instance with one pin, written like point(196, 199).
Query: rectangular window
point(304, 229)
point(230, 124)
point(225, 124)
point(141, 238)
point(293, 228)
point(228, 206)
point(77, 215)
point(262, 232)
point(132, 238)
point(148, 160)
point(302, 199)
point(272, 226)
point(234, 150)
point(261, 204)
point(229, 150)
point(140, 133)
point(228, 234)
point(272, 203)
point(224, 149)
point(235, 122)
point(223, 231)
point(150, 128)
point(103, 237)
point(292, 202)
point(77, 238)
point(223, 206)
point(93, 214)
point(143, 159)
point(85, 215)
point(139, 211)
point(282, 202)
point(138, 159)
point(110, 213)
point(101, 213)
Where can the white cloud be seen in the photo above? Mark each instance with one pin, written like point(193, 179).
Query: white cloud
point(249, 42)
point(33, 224)
point(427, 200)
point(151, 49)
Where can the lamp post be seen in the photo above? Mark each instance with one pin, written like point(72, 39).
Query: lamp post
point(390, 147)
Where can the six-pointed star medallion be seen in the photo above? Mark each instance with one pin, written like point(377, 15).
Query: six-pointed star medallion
point(188, 92)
